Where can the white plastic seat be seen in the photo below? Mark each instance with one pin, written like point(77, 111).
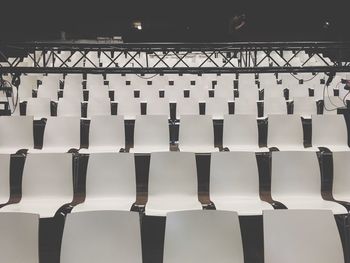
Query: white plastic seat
point(98, 92)
point(173, 93)
point(199, 93)
point(19, 238)
point(149, 94)
point(246, 80)
point(234, 183)
point(49, 88)
point(277, 105)
point(332, 103)
point(38, 108)
point(28, 84)
point(110, 182)
point(216, 107)
point(302, 236)
point(203, 237)
point(225, 92)
point(172, 183)
point(47, 184)
point(273, 91)
point(196, 134)
point(69, 107)
point(304, 106)
point(116, 81)
point(248, 93)
point(298, 91)
point(240, 133)
point(106, 134)
point(16, 133)
point(104, 236)
point(330, 131)
point(61, 135)
point(159, 106)
point(186, 106)
point(94, 80)
point(122, 94)
point(296, 182)
point(341, 178)
point(246, 106)
point(4, 178)
point(73, 90)
point(129, 109)
point(99, 106)
point(151, 134)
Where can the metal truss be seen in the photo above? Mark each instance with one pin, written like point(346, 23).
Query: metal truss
point(258, 57)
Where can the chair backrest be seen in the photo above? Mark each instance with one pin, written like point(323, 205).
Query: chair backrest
point(173, 93)
point(216, 107)
point(240, 130)
point(38, 107)
point(248, 93)
point(186, 106)
point(28, 84)
point(185, 240)
point(107, 131)
point(19, 237)
point(159, 106)
point(224, 92)
point(284, 130)
point(129, 109)
point(276, 105)
point(110, 175)
point(48, 91)
point(99, 106)
point(69, 107)
point(121, 94)
point(62, 132)
point(246, 106)
point(341, 178)
point(297, 91)
point(98, 92)
point(196, 130)
point(273, 91)
point(295, 173)
point(4, 178)
point(106, 236)
point(16, 132)
point(234, 174)
point(331, 103)
point(149, 94)
point(329, 130)
point(172, 173)
point(151, 130)
point(73, 90)
point(304, 106)
point(48, 175)
point(301, 236)
point(199, 93)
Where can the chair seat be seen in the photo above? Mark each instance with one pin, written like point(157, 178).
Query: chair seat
point(198, 149)
point(160, 207)
point(149, 149)
point(45, 208)
point(243, 206)
point(247, 148)
point(53, 150)
point(101, 149)
point(99, 204)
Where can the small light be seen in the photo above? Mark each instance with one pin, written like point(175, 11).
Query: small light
point(137, 25)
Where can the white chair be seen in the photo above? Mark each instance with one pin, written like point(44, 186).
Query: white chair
point(172, 183)
point(149, 94)
point(298, 91)
point(159, 106)
point(94, 80)
point(203, 237)
point(248, 93)
point(69, 107)
point(129, 109)
point(246, 80)
point(330, 131)
point(341, 178)
point(49, 89)
point(285, 132)
point(151, 134)
point(246, 106)
point(106, 134)
point(304, 107)
point(73, 91)
point(61, 135)
point(106, 236)
point(332, 103)
point(196, 134)
point(301, 236)
point(273, 91)
point(99, 106)
point(38, 108)
point(5, 160)
point(240, 133)
point(225, 92)
point(296, 182)
point(216, 107)
point(186, 106)
point(98, 92)
point(16, 133)
point(199, 93)
point(47, 184)
point(110, 182)
point(19, 238)
point(234, 183)
point(28, 84)
point(173, 93)
point(277, 105)
point(116, 81)
point(122, 94)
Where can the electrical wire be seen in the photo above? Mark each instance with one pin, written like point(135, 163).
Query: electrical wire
point(303, 79)
point(141, 77)
point(325, 89)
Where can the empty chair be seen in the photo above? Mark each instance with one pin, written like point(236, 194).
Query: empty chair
point(296, 182)
point(106, 236)
point(4, 178)
point(216, 107)
point(173, 93)
point(203, 237)
point(330, 131)
point(199, 93)
point(273, 91)
point(129, 109)
point(47, 184)
point(149, 94)
point(151, 134)
point(28, 84)
point(224, 93)
point(332, 103)
point(234, 183)
point(94, 80)
point(16, 133)
point(69, 107)
point(121, 94)
point(186, 106)
point(246, 106)
point(49, 91)
point(240, 133)
point(245, 80)
point(248, 93)
point(38, 108)
point(73, 90)
point(301, 236)
point(276, 105)
point(341, 178)
point(285, 132)
point(116, 81)
point(159, 106)
point(172, 183)
point(304, 107)
point(106, 134)
point(99, 106)
point(61, 135)
point(196, 134)
point(110, 182)
point(19, 238)
point(98, 92)
point(298, 91)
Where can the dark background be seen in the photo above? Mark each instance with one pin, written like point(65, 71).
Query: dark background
point(165, 21)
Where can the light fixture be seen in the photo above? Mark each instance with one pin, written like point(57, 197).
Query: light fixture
point(137, 25)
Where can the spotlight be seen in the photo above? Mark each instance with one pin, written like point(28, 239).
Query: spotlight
point(137, 25)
